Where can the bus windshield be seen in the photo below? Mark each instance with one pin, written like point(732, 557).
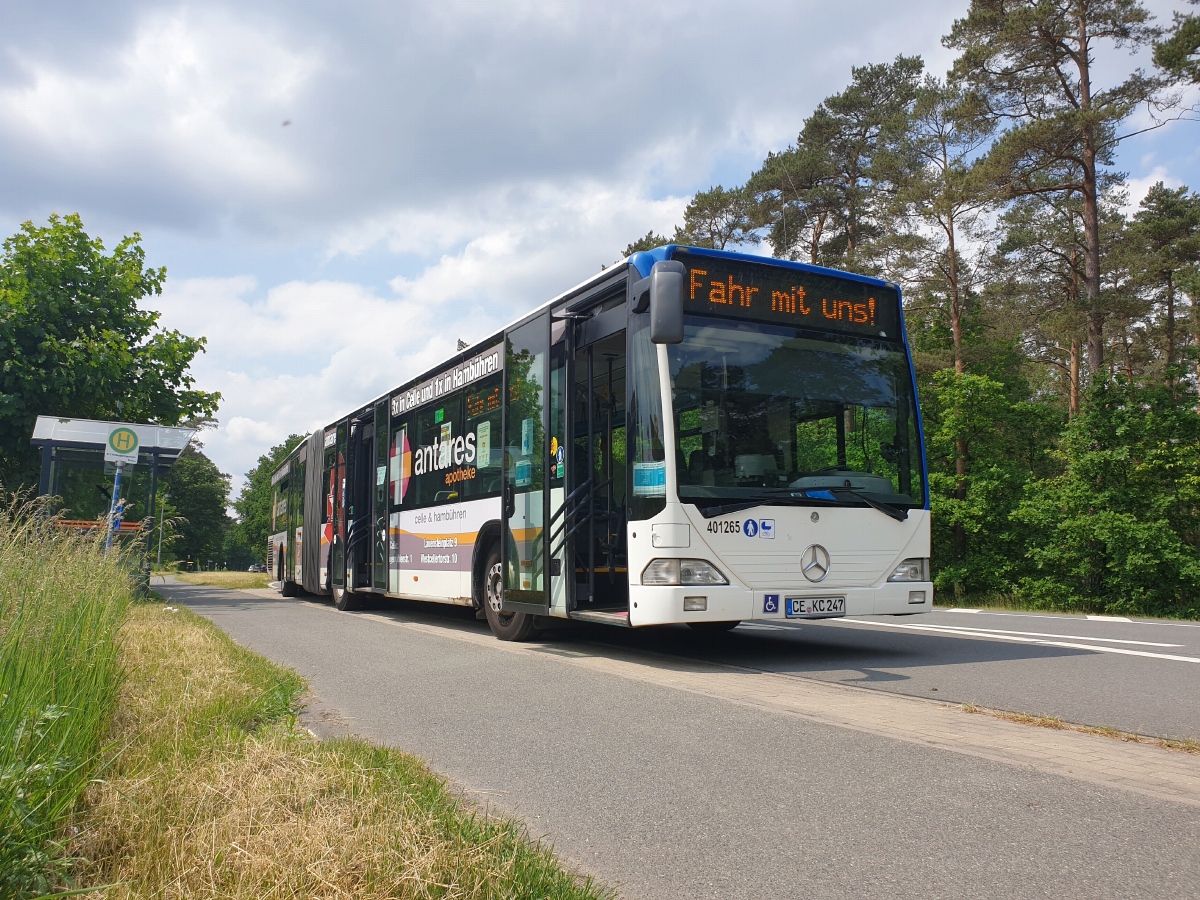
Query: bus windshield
point(775, 414)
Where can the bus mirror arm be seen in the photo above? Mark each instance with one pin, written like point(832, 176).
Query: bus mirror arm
point(510, 501)
point(667, 280)
point(639, 295)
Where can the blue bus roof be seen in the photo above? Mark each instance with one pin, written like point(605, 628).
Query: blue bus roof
point(644, 260)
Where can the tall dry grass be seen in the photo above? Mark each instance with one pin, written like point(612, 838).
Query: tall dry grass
point(220, 794)
point(62, 601)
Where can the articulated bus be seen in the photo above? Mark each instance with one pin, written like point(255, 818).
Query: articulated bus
point(692, 436)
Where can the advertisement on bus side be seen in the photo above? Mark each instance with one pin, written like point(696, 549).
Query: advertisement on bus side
point(435, 539)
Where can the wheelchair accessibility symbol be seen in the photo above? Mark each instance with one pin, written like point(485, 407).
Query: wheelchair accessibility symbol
point(771, 603)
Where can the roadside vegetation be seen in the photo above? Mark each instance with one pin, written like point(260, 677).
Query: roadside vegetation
point(144, 753)
point(62, 601)
point(232, 580)
point(220, 793)
point(1054, 325)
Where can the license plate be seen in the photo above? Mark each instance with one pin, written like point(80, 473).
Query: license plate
point(815, 607)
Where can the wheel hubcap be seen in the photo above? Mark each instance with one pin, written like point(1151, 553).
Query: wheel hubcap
point(493, 588)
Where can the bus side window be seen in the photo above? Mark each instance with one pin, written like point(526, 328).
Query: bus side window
point(481, 415)
point(439, 452)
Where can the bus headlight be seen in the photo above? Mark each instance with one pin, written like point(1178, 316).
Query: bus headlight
point(682, 571)
point(915, 569)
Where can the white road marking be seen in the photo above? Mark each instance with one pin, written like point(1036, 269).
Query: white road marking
point(1110, 618)
point(997, 636)
point(1018, 615)
point(1074, 637)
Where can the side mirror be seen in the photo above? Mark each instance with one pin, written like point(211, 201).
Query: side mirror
point(666, 302)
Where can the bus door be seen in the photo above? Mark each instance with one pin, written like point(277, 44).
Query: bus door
point(359, 494)
point(595, 509)
point(379, 539)
point(524, 556)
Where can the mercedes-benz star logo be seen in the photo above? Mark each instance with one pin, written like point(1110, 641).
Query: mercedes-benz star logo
point(814, 562)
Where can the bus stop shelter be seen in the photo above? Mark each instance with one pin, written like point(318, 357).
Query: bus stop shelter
point(80, 461)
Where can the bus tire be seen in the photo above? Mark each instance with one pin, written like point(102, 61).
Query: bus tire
point(286, 588)
point(508, 626)
point(346, 601)
point(713, 627)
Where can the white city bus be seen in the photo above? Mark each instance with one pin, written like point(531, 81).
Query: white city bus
point(691, 436)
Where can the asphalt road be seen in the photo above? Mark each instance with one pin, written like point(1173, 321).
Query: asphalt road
point(665, 793)
point(1139, 676)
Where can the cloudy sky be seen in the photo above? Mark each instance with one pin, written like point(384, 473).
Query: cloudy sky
point(341, 191)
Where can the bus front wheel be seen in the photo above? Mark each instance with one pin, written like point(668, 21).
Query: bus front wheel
point(508, 626)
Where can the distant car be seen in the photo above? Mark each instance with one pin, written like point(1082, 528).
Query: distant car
point(257, 567)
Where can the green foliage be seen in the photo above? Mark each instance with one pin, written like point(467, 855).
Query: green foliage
point(827, 198)
point(1179, 54)
point(648, 242)
point(74, 342)
point(61, 602)
point(1006, 443)
point(716, 218)
point(253, 505)
point(991, 199)
point(199, 494)
point(1117, 530)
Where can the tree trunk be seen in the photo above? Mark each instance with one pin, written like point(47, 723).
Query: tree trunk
point(818, 232)
point(1170, 319)
point(960, 444)
point(1091, 213)
point(955, 299)
point(1073, 402)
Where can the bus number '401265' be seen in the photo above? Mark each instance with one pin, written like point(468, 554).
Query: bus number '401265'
point(725, 526)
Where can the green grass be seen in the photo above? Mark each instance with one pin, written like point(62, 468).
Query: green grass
point(232, 580)
point(61, 603)
point(219, 793)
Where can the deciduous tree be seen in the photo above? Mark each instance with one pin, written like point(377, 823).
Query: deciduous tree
point(199, 494)
point(74, 341)
point(254, 503)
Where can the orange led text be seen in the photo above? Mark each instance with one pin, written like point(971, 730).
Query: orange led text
point(729, 292)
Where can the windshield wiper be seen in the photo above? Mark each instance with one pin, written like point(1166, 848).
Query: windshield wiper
point(799, 497)
point(789, 497)
point(898, 513)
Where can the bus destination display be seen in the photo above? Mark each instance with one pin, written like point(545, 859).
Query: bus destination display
point(767, 293)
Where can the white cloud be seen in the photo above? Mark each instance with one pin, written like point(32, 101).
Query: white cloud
point(194, 100)
point(296, 356)
point(448, 166)
point(1137, 188)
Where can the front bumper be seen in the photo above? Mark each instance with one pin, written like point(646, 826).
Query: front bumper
point(662, 605)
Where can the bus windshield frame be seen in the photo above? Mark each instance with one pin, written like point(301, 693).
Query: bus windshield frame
point(768, 413)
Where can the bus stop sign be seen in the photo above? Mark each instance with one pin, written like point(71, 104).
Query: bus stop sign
point(122, 446)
